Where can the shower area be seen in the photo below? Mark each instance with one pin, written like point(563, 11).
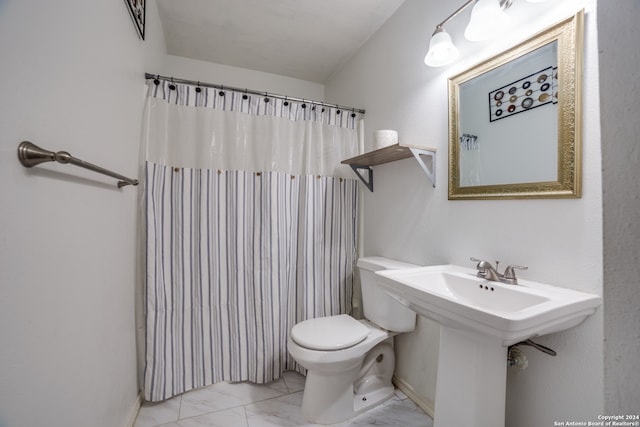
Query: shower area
point(249, 225)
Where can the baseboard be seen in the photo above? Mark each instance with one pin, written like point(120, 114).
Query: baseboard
point(425, 404)
point(133, 413)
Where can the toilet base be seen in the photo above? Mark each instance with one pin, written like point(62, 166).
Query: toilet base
point(321, 407)
point(336, 397)
point(324, 408)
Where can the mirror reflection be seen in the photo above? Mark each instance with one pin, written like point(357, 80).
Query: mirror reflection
point(514, 120)
point(509, 122)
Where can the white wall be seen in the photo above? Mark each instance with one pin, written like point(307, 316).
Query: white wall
point(618, 34)
point(192, 69)
point(71, 79)
point(406, 219)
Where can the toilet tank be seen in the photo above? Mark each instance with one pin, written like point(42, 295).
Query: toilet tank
point(379, 307)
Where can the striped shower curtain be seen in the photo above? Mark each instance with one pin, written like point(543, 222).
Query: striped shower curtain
point(251, 227)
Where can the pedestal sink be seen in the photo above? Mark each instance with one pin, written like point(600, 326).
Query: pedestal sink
point(479, 319)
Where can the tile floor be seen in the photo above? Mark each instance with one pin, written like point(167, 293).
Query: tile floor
point(275, 404)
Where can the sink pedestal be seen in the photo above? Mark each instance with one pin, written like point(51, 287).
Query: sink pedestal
point(472, 380)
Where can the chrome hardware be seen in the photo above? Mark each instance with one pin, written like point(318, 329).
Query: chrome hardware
point(488, 272)
point(510, 274)
point(31, 155)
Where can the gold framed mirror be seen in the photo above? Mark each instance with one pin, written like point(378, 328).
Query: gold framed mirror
point(515, 120)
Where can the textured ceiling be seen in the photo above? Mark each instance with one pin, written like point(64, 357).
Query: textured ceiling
point(305, 39)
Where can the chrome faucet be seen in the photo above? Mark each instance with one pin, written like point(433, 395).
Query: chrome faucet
point(487, 271)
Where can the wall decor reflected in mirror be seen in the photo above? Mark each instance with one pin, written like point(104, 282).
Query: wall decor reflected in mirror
point(515, 120)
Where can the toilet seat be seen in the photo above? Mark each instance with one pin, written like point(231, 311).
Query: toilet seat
point(329, 333)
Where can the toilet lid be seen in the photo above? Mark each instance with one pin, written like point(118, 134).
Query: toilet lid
point(329, 333)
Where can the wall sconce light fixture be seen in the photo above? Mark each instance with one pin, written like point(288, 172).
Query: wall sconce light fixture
point(488, 17)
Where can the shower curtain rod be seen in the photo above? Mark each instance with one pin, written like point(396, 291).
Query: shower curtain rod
point(149, 76)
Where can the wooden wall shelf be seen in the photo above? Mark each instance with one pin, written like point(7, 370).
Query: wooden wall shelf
point(392, 153)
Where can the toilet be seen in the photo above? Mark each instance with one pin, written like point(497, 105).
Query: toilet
point(350, 362)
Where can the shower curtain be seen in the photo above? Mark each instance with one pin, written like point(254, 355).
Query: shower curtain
point(251, 227)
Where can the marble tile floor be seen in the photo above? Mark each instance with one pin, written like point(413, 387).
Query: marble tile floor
point(275, 404)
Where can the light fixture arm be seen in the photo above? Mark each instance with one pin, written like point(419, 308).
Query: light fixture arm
point(504, 4)
point(454, 14)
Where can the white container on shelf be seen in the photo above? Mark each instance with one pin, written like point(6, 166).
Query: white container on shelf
point(384, 138)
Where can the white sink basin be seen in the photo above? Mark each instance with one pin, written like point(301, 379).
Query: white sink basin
point(455, 297)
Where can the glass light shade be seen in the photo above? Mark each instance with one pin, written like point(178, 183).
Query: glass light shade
point(487, 20)
point(442, 51)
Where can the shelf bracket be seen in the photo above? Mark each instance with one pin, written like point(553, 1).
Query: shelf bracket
point(369, 180)
point(431, 174)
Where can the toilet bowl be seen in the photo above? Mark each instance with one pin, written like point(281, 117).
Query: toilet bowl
point(350, 362)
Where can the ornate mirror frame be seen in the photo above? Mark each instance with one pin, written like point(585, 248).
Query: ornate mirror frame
point(569, 37)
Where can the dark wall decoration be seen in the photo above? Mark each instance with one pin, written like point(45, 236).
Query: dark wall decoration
point(137, 11)
point(532, 91)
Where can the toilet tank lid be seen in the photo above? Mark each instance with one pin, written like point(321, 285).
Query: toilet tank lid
point(329, 333)
point(375, 263)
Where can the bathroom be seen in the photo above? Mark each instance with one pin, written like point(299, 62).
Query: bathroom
point(68, 239)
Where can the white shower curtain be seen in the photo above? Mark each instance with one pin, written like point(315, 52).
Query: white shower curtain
point(251, 227)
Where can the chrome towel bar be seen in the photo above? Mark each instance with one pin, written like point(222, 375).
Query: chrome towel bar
point(31, 155)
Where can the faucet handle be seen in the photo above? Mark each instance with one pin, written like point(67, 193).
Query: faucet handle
point(481, 266)
point(510, 274)
point(485, 262)
point(478, 260)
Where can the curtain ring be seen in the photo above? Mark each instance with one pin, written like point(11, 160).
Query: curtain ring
point(198, 88)
point(221, 93)
point(266, 97)
point(286, 103)
point(172, 86)
point(245, 96)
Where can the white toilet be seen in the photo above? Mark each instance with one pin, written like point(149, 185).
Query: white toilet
point(350, 362)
